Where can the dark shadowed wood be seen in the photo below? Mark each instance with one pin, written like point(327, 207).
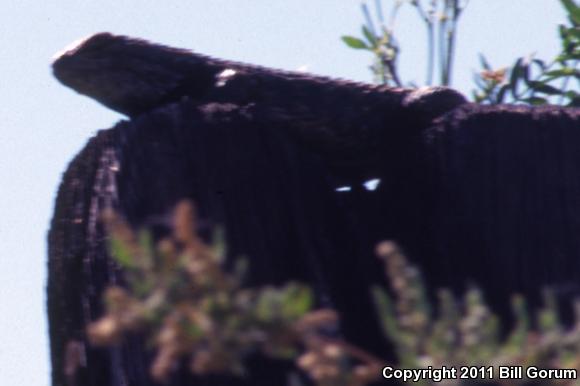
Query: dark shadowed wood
point(507, 181)
point(275, 199)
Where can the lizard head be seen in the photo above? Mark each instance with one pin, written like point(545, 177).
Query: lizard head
point(128, 75)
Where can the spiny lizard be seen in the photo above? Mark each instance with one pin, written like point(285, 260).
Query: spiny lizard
point(133, 76)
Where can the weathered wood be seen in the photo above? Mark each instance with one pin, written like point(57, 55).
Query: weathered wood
point(275, 200)
point(507, 209)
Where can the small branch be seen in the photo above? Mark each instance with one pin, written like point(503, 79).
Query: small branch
point(430, 41)
point(393, 72)
point(442, 48)
point(451, 34)
point(369, 20)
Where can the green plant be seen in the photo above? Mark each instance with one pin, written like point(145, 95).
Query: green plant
point(180, 297)
point(533, 81)
point(529, 80)
point(440, 17)
point(467, 333)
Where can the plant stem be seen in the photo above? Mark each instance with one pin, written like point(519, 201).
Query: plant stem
point(442, 47)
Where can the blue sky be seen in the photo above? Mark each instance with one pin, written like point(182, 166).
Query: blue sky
point(44, 124)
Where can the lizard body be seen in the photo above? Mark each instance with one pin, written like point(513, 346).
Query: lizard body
point(347, 121)
point(133, 76)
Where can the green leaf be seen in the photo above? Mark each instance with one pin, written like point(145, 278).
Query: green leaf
point(297, 301)
point(573, 10)
point(355, 43)
point(372, 39)
point(574, 32)
point(515, 75)
point(535, 101)
point(540, 63)
point(122, 253)
point(575, 55)
point(544, 88)
point(562, 72)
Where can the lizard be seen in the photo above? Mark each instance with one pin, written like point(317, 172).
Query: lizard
point(346, 119)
